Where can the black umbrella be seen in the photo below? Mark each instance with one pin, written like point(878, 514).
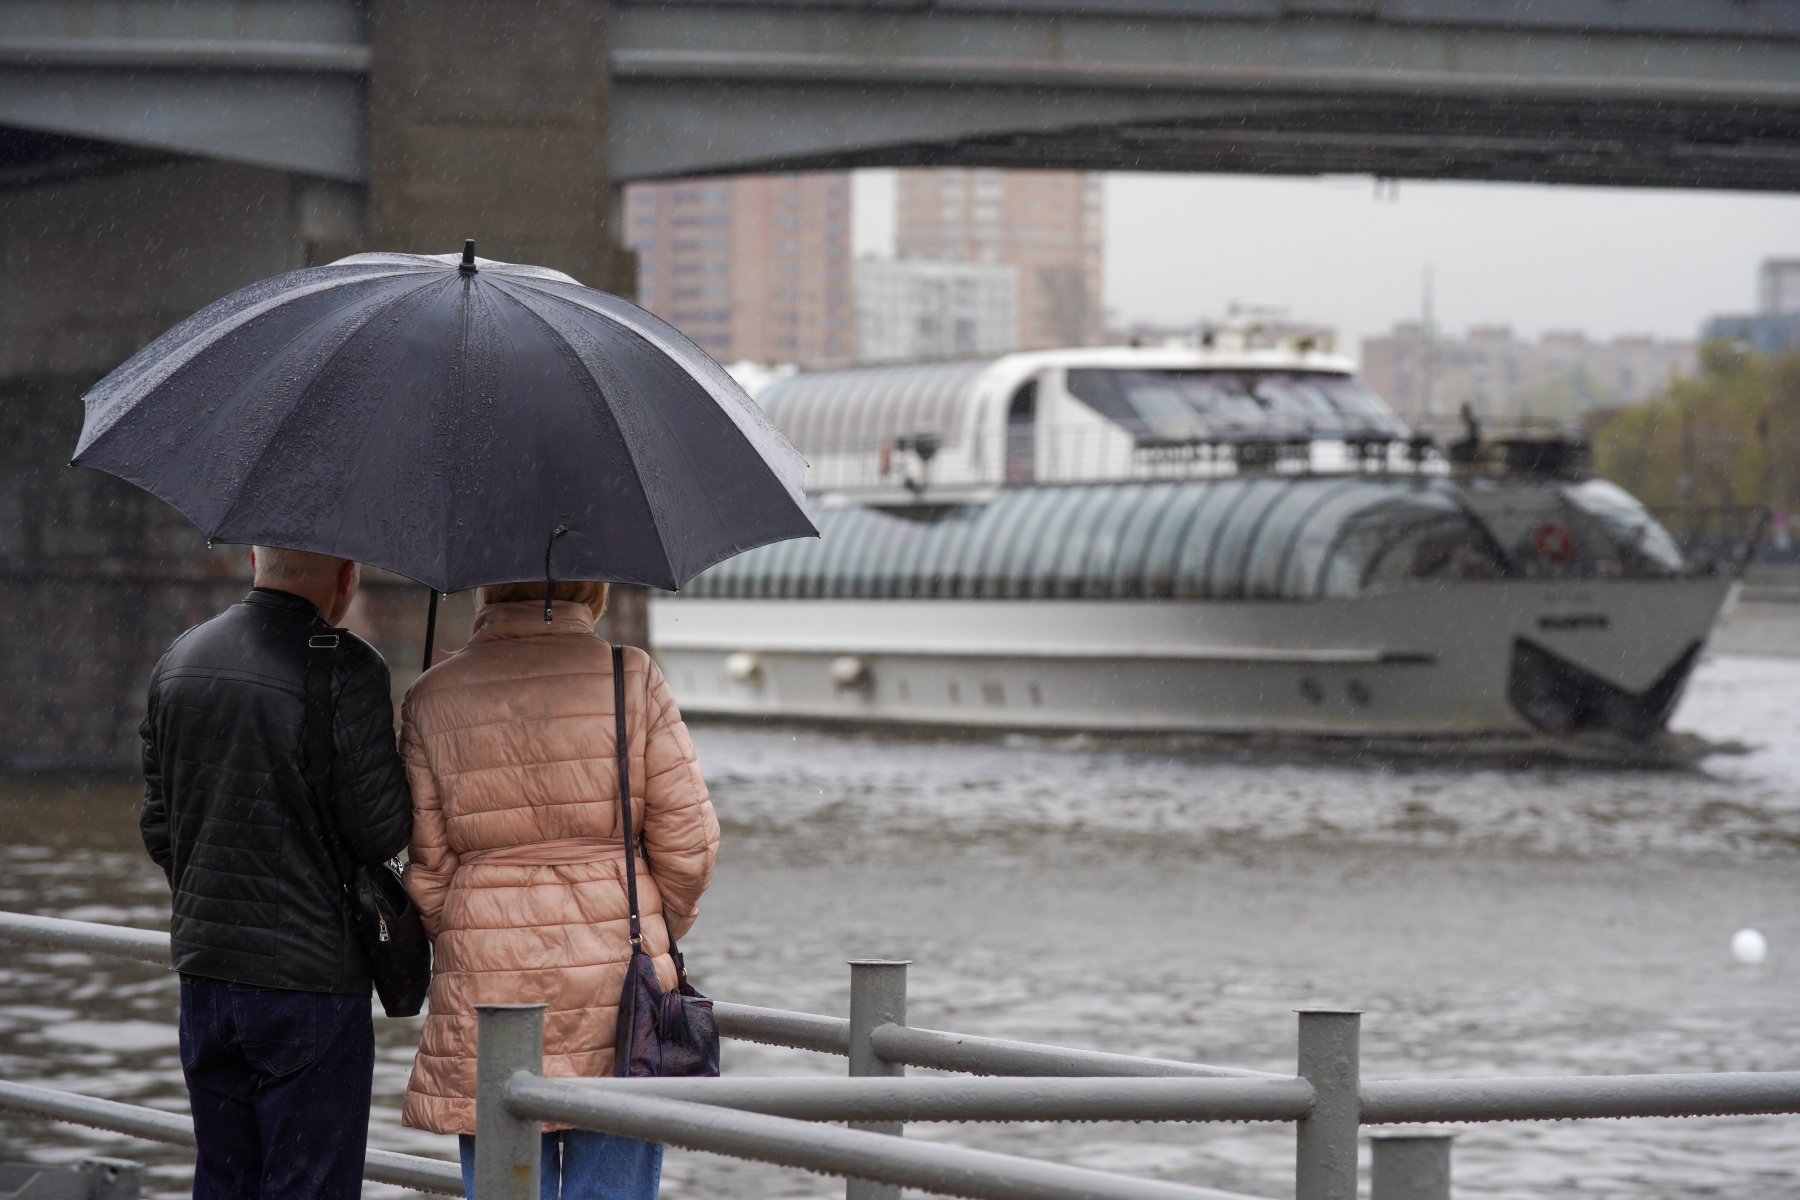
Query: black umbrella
point(444, 418)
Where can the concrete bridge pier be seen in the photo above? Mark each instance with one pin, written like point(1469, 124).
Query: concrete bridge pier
point(485, 119)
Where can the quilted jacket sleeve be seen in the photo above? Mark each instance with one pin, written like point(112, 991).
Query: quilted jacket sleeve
point(681, 831)
point(430, 861)
point(374, 812)
point(153, 817)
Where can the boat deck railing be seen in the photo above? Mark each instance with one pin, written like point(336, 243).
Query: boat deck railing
point(929, 461)
point(786, 1120)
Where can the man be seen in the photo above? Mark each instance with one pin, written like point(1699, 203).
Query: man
point(277, 1042)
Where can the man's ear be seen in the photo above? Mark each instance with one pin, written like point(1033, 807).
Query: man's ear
point(346, 580)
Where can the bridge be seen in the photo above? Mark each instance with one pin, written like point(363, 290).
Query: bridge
point(155, 154)
point(1684, 93)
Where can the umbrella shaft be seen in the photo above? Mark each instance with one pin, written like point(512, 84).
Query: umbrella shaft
point(430, 629)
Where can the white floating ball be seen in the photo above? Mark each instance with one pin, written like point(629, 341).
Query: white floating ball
point(1749, 946)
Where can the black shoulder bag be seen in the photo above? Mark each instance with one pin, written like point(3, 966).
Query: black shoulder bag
point(388, 927)
point(666, 1034)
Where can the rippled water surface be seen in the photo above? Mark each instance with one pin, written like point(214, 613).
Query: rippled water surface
point(1176, 899)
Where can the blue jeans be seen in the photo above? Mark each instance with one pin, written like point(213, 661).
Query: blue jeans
point(579, 1164)
point(279, 1085)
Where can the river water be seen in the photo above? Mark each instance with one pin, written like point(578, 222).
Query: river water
point(1174, 899)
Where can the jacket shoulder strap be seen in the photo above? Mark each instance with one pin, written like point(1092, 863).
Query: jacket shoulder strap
point(321, 649)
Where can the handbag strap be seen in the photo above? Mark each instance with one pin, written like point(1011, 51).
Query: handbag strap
point(624, 746)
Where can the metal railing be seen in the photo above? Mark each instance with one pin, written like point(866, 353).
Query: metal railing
point(775, 1119)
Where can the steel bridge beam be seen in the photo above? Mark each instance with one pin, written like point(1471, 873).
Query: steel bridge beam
point(1684, 93)
point(1639, 92)
point(269, 83)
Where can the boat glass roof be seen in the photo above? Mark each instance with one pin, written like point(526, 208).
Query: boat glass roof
point(1265, 537)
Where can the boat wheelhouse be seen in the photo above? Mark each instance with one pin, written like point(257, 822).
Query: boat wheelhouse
point(1223, 539)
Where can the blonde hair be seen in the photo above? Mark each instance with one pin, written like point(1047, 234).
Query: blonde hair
point(572, 591)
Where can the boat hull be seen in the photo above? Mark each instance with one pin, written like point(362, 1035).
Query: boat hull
point(1457, 659)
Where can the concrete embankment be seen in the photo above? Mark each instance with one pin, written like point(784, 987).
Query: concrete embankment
point(1766, 617)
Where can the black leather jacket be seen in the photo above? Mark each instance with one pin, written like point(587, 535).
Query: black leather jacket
point(256, 896)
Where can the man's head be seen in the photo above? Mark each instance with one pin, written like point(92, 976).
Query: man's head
point(330, 583)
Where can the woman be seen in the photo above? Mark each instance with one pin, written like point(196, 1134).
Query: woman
point(518, 859)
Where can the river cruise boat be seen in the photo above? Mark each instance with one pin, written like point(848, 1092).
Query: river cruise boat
point(1227, 537)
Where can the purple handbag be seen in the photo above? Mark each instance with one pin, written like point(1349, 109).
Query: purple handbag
point(660, 1033)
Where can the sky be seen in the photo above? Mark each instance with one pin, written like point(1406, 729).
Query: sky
point(1608, 261)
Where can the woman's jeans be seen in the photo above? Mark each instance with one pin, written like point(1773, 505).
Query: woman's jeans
point(586, 1166)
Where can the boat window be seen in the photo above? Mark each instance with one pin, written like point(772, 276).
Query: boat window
point(1109, 539)
point(1021, 435)
point(1166, 506)
point(1265, 562)
point(1421, 534)
point(1193, 405)
point(1642, 543)
point(1066, 572)
point(1012, 570)
point(1176, 562)
point(1439, 546)
point(1199, 536)
point(1321, 529)
point(1037, 571)
point(1009, 526)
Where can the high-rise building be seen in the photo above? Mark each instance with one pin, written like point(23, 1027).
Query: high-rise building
point(1561, 375)
point(755, 268)
point(1774, 328)
point(1043, 224)
point(917, 309)
point(1778, 287)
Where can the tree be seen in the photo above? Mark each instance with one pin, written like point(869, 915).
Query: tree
point(1729, 435)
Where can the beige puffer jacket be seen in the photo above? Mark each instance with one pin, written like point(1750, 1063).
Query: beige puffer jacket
point(517, 848)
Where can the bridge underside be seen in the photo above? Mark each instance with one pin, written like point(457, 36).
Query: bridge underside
point(1629, 92)
point(1659, 93)
point(1398, 138)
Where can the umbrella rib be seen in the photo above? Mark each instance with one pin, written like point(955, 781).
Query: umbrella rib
point(630, 458)
point(281, 428)
point(649, 338)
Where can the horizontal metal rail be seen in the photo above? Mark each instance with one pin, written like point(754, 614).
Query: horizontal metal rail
point(947, 1170)
point(115, 941)
point(938, 1050)
point(932, 1098)
point(781, 1027)
point(1569, 1097)
point(153, 1124)
point(746, 1022)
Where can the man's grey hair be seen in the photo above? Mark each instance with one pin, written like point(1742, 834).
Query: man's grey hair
point(277, 565)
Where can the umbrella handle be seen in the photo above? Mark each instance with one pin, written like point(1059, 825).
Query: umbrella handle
point(549, 582)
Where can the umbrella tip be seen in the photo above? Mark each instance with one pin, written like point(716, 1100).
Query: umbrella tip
point(468, 262)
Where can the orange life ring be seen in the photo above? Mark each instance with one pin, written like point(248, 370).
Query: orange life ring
point(1553, 542)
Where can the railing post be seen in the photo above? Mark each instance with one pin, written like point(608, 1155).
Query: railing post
point(877, 997)
point(1325, 1142)
point(1411, 1166)
point(508, 1149)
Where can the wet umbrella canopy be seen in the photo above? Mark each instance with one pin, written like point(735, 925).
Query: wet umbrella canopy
point(443, 418)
